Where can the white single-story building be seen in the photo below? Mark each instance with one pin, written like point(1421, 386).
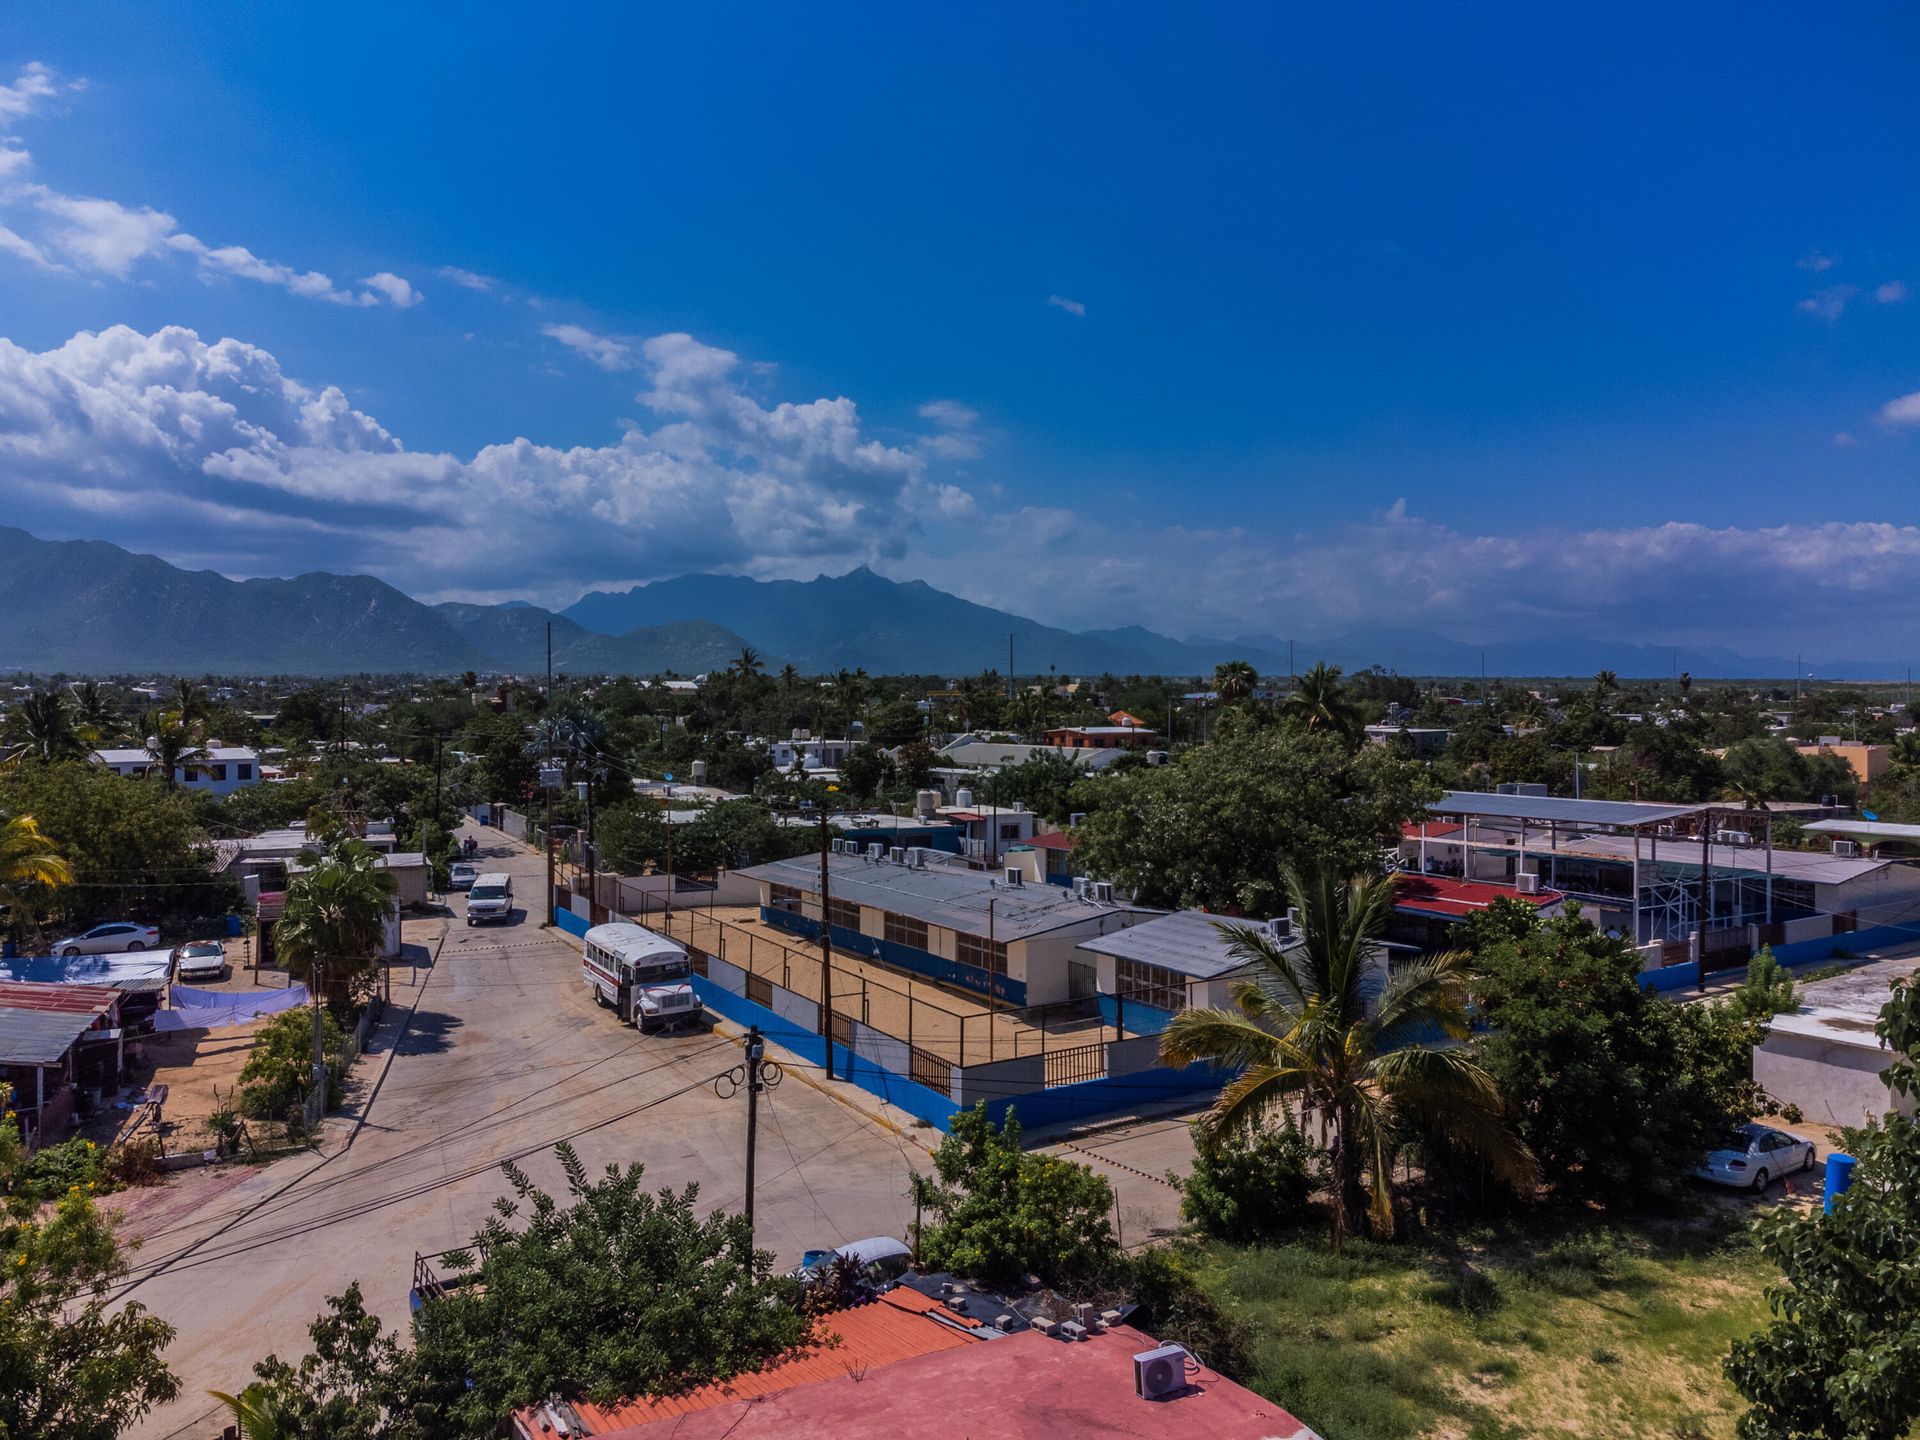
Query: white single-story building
point(225, 769)
point(1825, 1057)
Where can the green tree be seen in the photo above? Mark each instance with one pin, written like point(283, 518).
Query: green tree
point(1841, 1358)
point(1215, 829)
point(1618, 1092)
point(867, 771)
point(334, 923)
point(1044, 783)
point(1000, 1213)
point(31, 868)
point(357, 1383)
point(1324, 1026)
point(279, 1068)
point(1246, 1186)
point(1768, 989)
point(621, 1292)
point(174, 744)
point(72, 1363)
point(41, 727)
point(94, 714)
point(1322, 704)
point(1234, 680)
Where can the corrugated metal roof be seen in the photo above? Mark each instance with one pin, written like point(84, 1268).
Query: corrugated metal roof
point(1546, 808)
point(944, 894)
point(1816, 866)
point(1863, 829)
point(1440, 895)
point(1187, 942)
point(895, 1326)
point(39, 1023)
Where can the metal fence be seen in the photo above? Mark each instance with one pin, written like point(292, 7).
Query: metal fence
point(314, 1106)
point(934, 1029)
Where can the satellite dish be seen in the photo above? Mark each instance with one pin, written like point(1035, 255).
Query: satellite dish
point(1868, 815)
point(669, 777)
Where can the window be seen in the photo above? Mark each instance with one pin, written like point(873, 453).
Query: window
point(217, 772)
point(1153, 985)
point(843, 914)
point(974, 950)
point(784, 897)
point(243, 772)
point(903, 931)
point(1010, 832)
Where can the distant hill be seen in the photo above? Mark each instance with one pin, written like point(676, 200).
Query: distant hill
point(515, 636)
point(863, 620)
point(87, 606)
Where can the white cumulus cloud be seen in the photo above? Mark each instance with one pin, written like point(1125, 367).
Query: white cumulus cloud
point(1891, 293)
point(1072, 307)
point(606, 351)
point(1904, 411)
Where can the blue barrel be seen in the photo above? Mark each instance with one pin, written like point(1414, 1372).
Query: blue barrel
point(233, 924)
point(1839, 1177)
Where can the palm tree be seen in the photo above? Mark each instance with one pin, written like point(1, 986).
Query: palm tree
point(1606, 685)
point(1906, 749)
point(189, 700)
point(1233, 681)
point(1321, 702)
point(256, 1414)
point(1529, 712)
point(174, 745)
point(95, 715)
point(747, 664)
point(41, 728)
point(789, 682)
point(29, 861)
point(335, 917)
point(1323, 1025)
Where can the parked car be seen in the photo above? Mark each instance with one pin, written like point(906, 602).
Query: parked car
point(490, 898)
point(461, 875)
point(109, 939)
point(880, 1260)
point(1756, 1155)
point(200, 960)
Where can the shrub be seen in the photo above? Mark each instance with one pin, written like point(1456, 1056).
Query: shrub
point(1247, 1187)
point(274, 1081)
point(1175, 1310)
point(1767, 990)
point(72, 1164)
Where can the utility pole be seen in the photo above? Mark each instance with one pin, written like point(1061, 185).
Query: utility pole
point(1010, 666)
point(547, 721)
point(1703, 901)
point(826, 944)
point(992, 983)
point(317, 977)
point(586, 794)
point(756, 1052)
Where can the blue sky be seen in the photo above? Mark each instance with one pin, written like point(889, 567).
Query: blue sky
point(1263, 319)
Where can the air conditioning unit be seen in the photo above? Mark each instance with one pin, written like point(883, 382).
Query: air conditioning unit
point(876, 850)
point(1293, 918)
point(1526, 883)
point(1664, 832)
point(1013, 874)
point(1845, 849)
point(1103, 891)
point(897, 855)
point(1082, 886)
point(1280, 928)
point(1076, 820)
point(1160, 1373)
point(1732, 837)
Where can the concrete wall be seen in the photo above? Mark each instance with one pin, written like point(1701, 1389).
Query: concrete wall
point(1834, 1082)
point(1020, 1076)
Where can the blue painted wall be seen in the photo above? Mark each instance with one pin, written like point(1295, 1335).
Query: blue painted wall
point(1804, 952)
point(902, 957)
point(914, 1098)
point(571, 923)
point(1114, 1095)
point(1671, 977)
point(1141, 1019)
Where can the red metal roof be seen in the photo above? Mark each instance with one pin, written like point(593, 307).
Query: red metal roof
point(66, 999)
point(896, 1326)
point(1023, 1386)
point(1456, 899)
point(1052, 842)
point(1436, 829)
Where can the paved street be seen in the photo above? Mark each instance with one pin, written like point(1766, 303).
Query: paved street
point(502, 1055)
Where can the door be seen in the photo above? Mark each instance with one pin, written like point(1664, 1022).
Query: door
point(1082, 980)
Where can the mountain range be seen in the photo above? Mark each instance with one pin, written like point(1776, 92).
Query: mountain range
point(85, 606)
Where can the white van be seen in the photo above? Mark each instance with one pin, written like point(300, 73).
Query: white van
point(490, 898)
point(642, 977)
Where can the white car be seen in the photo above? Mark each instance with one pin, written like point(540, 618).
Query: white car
point(109, 939)
point(200, 960)
point(1754, 1156)
point(461, 875)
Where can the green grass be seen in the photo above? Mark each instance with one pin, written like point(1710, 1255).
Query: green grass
point(1510, 1332)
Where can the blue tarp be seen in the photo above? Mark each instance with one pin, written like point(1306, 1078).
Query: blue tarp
point(205, 1009)
point(88, 969)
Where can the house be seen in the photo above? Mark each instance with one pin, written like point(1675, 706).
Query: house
point(56, 1042)
point(809, 751)
point(1056, 857)
point(934, 916)
point(986, 831)
point(1868, 762)
point(1098, 737)
point(1427, 742)
point(1148, 973)
point(225, 769)
point(1426, 908)
point(903, 1364)
point(1825, 1058)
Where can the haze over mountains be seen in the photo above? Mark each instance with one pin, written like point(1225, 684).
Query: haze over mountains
point(87, 606)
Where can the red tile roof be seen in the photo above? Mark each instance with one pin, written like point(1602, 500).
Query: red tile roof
point(1023, 1386)
point(1456, 899)
point(896, 1326)
point(1436, 829)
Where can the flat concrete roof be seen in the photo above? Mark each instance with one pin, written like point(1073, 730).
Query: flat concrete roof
point(1188, 942)
point(1863, 829)
point(1844, 1009)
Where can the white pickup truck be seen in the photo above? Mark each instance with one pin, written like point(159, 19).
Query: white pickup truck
point(642, 977)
